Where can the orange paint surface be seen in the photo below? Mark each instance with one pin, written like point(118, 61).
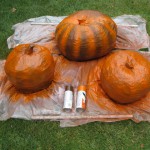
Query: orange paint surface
point(30, 67)
point(91, 26)
point(78, 73)
point(125, 76)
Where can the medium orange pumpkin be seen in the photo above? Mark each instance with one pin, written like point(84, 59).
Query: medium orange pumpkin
point(30, 67)
point(125, 76)
point(86, 35)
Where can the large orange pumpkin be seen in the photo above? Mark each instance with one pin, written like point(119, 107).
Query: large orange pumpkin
point(86, 35)
point(125, 76)
point(30, 67)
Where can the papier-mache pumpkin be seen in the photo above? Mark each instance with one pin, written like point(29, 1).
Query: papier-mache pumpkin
point(85, 35)
point(30, 67)
point(125, 76)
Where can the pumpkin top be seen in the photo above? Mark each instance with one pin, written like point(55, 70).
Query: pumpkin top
point(87, 17)
point(128, 62)
point(27, 56)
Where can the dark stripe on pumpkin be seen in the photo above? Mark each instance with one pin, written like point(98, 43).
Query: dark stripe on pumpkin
point(65, 43)
point(60, 28)
point(69, 44)
point(113, 26)
point(98, 41)
point(57, 29)
point(83, 55)
point(77, 42)
point(59, 38)
point(114, 29)
point(108, 33)
point(103, 42)
point(113, 37)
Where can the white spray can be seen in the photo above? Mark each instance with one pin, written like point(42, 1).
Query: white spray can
point(68, 99)
point(81, 99)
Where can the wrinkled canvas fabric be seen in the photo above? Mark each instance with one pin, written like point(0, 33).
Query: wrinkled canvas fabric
point(131, 31)
point(34, 31)
point(50, 101)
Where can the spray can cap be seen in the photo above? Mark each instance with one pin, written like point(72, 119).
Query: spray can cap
point(69, 88)
point(82, 88)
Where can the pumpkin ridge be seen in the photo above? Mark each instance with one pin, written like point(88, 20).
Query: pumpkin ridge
point(83, 46)
point(61, 37)
point(58, 28)
point(113, 26)
point(92, 43)
point(70, 47)
point(63, 42)
point(76, 47)
point(60, 31)
point(98, 40)
point(104, 41)
point(111, 35)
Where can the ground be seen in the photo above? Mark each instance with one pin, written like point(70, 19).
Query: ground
point(18, 134)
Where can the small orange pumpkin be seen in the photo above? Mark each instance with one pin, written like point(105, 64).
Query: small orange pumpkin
point(30, 67)
point(125, 76)
point(86, 35)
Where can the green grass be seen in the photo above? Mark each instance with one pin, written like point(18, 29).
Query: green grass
point(18, 134)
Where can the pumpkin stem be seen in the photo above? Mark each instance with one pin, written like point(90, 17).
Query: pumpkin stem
point(129, 64)
point(29, 50)
point(82, 21)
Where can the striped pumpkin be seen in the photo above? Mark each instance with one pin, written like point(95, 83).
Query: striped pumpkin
point(86, 35)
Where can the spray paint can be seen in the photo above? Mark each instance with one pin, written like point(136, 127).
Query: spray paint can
point(68, 99)
point(81, 99)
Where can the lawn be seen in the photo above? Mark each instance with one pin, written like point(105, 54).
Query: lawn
point(18, 134)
